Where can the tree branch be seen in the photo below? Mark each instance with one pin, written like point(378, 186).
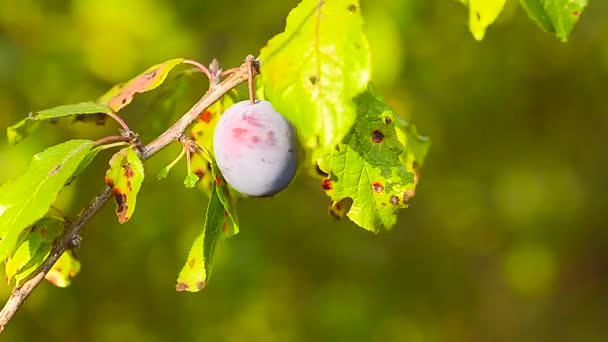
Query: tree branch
point(71, 235)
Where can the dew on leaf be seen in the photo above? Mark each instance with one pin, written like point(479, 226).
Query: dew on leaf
point(377, 187)
point(377, 136)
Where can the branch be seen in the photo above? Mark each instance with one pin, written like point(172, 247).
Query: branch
point(71, 235)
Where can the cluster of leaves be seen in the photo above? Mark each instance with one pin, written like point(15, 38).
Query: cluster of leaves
point(555, 16)
point(316, 73)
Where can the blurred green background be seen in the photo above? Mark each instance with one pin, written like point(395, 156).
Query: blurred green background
point(505, 241)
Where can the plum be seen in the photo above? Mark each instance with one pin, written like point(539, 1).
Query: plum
point(255, 148)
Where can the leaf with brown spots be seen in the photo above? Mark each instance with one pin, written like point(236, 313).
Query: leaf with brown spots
point(121, 95)
point(371, 172)
point(197, 269)
point(23, 128)
point(125, 176)
point(64, 270)
point(34, 247)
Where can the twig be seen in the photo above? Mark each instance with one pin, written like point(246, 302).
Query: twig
point(71, 234)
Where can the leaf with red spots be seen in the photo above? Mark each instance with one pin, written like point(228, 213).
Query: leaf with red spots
point(371, 172)
point(28, 198)
point(557, 16)
point(125, 176)
point(195, 274)
point(34, 247)
point(121, 95)
point(64, 270)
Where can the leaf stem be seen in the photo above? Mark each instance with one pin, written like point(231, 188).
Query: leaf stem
point(110, 139)
point(201, 67)
point(118, 119)
point(71, 234)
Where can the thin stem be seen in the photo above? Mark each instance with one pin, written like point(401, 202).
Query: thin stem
point(177, 159)
point(71, 234)
point(110, 139)
point(250, 75)
point(120, 121)
point(229, 71)
point(201, 67)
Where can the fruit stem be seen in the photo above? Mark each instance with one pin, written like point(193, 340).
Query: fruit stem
point(251, 74)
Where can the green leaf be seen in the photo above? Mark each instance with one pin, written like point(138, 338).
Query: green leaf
point(556, 16)
point(228, 201)
point(482, 13)
point(313, 70)
point(28, 198)
point(121, 95)
point(64, 270)
point(125, 176)
point(195, 273)
point(368, 175)
point(34, 249)
point(21, 130)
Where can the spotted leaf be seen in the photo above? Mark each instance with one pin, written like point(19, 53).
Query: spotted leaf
point(371, 172)
point(125, 176)
point(23, 128)
point(312, 71)
point(64, 270)
point(195, 273)
point(121, 95)
point(557, 16)
point(34, 247)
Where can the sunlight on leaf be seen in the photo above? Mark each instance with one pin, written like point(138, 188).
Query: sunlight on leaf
point(195, 273)
point(23, 128)
point(125, 176)
point(121, 95)
point(28, 198)
point(313, 70)
point(34, 248)
point(557, 16)
point(64, 270)
point(369, 176)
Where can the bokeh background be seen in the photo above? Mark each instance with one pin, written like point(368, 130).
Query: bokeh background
point(506, 240)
